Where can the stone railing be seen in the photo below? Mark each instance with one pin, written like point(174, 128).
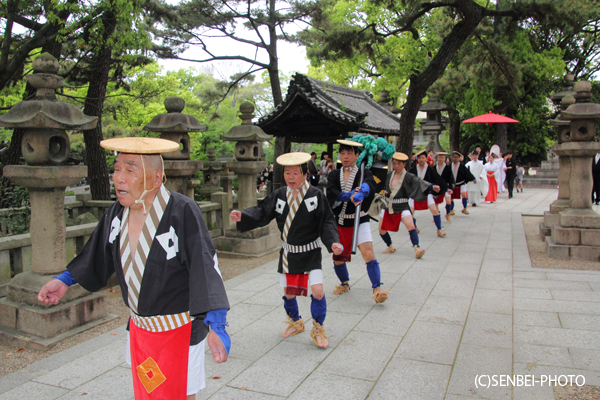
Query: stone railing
point(15, 251)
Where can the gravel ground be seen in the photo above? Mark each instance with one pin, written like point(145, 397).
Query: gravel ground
point(537, 250)
point(585, 392)
point(12, 359)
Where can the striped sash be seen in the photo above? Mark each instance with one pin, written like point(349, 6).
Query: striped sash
point(161, 323)
point(293, 204)
point(135, 263)
point(347, 187)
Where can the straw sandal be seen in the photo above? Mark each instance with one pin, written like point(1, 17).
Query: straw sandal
point(464, 211)
point(419, 252)
point(390, 249)
point(451, 212)
point(441, 233)
point(318, 331)
point(297, 325)
point(380, 295)
point(341, 289)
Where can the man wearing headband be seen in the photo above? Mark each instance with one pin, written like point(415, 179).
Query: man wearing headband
point(461, 176)
point(344, 195)
point(303, 216)
point(428, 174)
point(157, 244)
point(445, 173)
point(399, 187)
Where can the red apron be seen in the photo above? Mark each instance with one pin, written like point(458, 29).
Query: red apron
point(493, 188)
point(456, 193)
point(159, 362)
point(440, 198)
point(391, 222)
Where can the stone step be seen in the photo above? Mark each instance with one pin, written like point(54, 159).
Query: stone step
point(547, 173)
point(581, 252)
point(544, 231)
point(556, 250)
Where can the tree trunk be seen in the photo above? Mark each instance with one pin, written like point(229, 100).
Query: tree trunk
point(501, 137)
point(282, 145)
point(472, 15)
point(454, 131)
point(94, 103)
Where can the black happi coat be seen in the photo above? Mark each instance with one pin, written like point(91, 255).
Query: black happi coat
point(463, 176)
point(313, 219)
point(334, 189)
point(446, 175)
point(412, 187)
point(190, 281)
point(432, 177)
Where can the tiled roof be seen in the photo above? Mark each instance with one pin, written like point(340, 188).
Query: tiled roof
point(354, 110)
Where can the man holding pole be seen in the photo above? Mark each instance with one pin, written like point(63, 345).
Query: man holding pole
point(350, 191)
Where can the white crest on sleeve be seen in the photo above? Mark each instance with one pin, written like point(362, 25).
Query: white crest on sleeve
point(216, 265)
point(115, 229)
point(164, 242)
point(311, 203)
point(280, 206)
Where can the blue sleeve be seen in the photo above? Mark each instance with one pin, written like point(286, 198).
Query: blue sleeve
point(66, 278)
point(344, 197)
point(217, 320)
point(362, 193)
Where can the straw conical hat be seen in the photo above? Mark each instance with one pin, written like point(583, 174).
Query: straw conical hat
point(140, 145)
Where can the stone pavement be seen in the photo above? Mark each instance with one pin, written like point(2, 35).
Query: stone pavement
point(472, 306)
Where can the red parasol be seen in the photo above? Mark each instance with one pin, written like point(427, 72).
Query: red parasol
point(491, 118)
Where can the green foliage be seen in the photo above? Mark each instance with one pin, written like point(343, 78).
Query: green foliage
point(15, 219)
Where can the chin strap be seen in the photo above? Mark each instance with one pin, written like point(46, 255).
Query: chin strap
point(141, 199)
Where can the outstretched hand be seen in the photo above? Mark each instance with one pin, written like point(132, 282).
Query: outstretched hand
point(436, 188)
point(219, 354)
point(52, 292)
point(235, 216)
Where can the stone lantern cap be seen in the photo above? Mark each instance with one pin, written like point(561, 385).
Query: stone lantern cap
point(583, 108)
point(174, 120)
point(566, 101)
point(45, 111)
point(434, 104)
point(247, 131)
point(567, 90)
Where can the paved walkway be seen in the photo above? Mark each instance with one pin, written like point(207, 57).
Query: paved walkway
point(473, 305)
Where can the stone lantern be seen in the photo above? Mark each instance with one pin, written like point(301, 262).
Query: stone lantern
point(433, 125)
point(577, 235)
point(212, 174)
point(24, 321)
point(248, 138)
point(174, 125)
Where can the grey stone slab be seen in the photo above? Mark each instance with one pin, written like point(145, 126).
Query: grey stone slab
point(533, 392)
point(409, 379)
point(431, 342)
point(551, 284)
point(268, 297)
point(243, 315)
point(486, 329)
point(408, 294)
point(532, 293)
point(492, 301)
point(572, 295)
point(387, 279)
point(459, 397)
point(575, 276)
point(595, 286)
point(259, 283)
point(246, 346)
point(282, 368)
point(471, 257)
point(501, 244)
point(80, 370)
point(495, 280)
point(557, 306)
point(237, 296)
point(361, 355)
point(490, 265)
point(392, 319)
point(580, 321)
point(355, 301)
point(585, 359)
point(591, 377)
point(419, 275)
point(225, 372)
point(33, 390)
point(529, 275)
point(473, 361)
point(557, 337)
point(454, 287)
point(445, 310)
point(229, 393)
point(536, 318)
point(320, 385)
point(115, 384)
point(544, 355)
point(469, 271)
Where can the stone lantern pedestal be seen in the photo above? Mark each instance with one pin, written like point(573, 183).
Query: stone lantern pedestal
point(212, 174)
point(577, 233)
point(433, 126)
point(247, 166)
point(24, 321)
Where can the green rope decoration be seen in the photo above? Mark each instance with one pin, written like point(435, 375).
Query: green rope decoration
point(371, 146)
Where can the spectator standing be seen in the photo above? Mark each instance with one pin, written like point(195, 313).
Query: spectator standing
point(596, 178)
point(519, 180)
point(313, 173)
point(511, 173)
